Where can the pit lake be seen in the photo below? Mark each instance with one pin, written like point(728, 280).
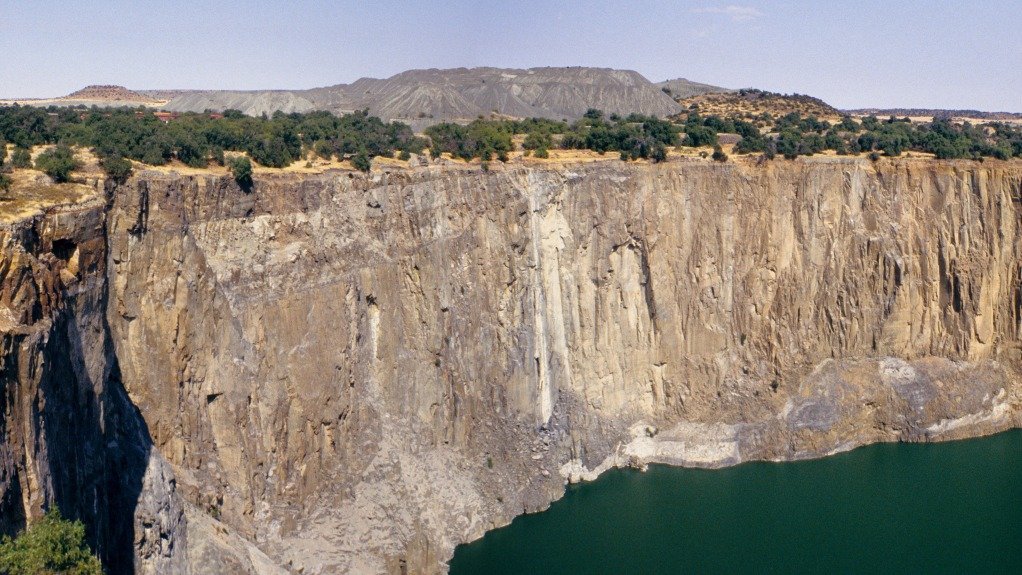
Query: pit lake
point(952, 507)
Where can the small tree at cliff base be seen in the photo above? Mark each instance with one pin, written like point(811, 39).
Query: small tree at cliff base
point(52, 545)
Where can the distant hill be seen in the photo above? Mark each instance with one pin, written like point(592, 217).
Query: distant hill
point(423, 97)
point(680, 88)
point(105, 93)
point(253, 103)
point(750, 102)
point(935, 113)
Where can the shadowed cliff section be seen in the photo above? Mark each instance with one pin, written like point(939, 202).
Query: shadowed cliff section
point(69, 436)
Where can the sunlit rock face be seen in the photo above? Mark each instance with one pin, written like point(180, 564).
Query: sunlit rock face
point(355, 373)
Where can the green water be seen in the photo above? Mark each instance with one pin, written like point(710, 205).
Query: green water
point(895, 508)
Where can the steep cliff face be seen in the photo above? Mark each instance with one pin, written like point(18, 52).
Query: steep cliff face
point(69, 436)
point(348, 373)
point(356, 373)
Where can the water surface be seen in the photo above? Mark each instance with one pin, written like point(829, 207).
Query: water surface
point(894, 508)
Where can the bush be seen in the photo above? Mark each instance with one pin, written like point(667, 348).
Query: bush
point(116, 168)
point(5, 182)
point(3, 151)
point(241, 168)
point(541, 153)
point(719, 155)
point(57, 163)
point(53, 545)
point(361, 162)
point(21, 158)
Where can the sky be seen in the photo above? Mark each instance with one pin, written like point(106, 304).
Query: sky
point(904, 53)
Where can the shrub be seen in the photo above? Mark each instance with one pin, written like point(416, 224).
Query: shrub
point(699, 136)
point(541, 153)
point(57, 163)
point(241, 168)
point(21, 158)
point(53, 545)
point(719, 155)
point(116, 168)
point(5, 182)
point(3, 151)
point(361, 162)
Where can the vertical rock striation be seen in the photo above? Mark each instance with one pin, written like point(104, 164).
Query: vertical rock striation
point(356, 373)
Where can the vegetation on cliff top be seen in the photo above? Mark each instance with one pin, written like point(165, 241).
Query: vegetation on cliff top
point(277, 141)
point(53, 545)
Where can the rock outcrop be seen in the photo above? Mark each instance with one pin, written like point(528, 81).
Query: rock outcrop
point(69, 436)
point(351, 373)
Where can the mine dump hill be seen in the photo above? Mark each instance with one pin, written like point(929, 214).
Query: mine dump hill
point(681, 88)
point(750, 103)
point(96, 95)
point(106, 93)
point(425, 97)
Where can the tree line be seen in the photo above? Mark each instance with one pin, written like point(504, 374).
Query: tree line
point(117, 135)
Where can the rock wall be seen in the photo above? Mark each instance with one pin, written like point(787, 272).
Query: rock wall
point(69, 436)
point(356, 373)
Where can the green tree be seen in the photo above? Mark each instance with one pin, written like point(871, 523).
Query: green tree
point(241, 169)
point(3, 151)
point(788, 143)
point(51, 546)
point(361, 162)
point(116, 168)
point(57, 163)
point(699, 136)
point(21, 158)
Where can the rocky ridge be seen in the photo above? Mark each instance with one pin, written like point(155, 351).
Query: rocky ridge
point(355, 373)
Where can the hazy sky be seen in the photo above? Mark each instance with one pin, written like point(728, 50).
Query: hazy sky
point(909, 53)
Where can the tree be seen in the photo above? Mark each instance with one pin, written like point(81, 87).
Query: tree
point(241, 168)
point(116, 168)
point(658, 153)
point(57, 163)
point(53, 545)
point(699, 136)
point(361, 162)
point(21, 158)
point(788, 143)
point(3, 151)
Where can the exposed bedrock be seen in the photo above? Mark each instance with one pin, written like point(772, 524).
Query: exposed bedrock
point(352, 373)
point(357, 373)
point(69, 436)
